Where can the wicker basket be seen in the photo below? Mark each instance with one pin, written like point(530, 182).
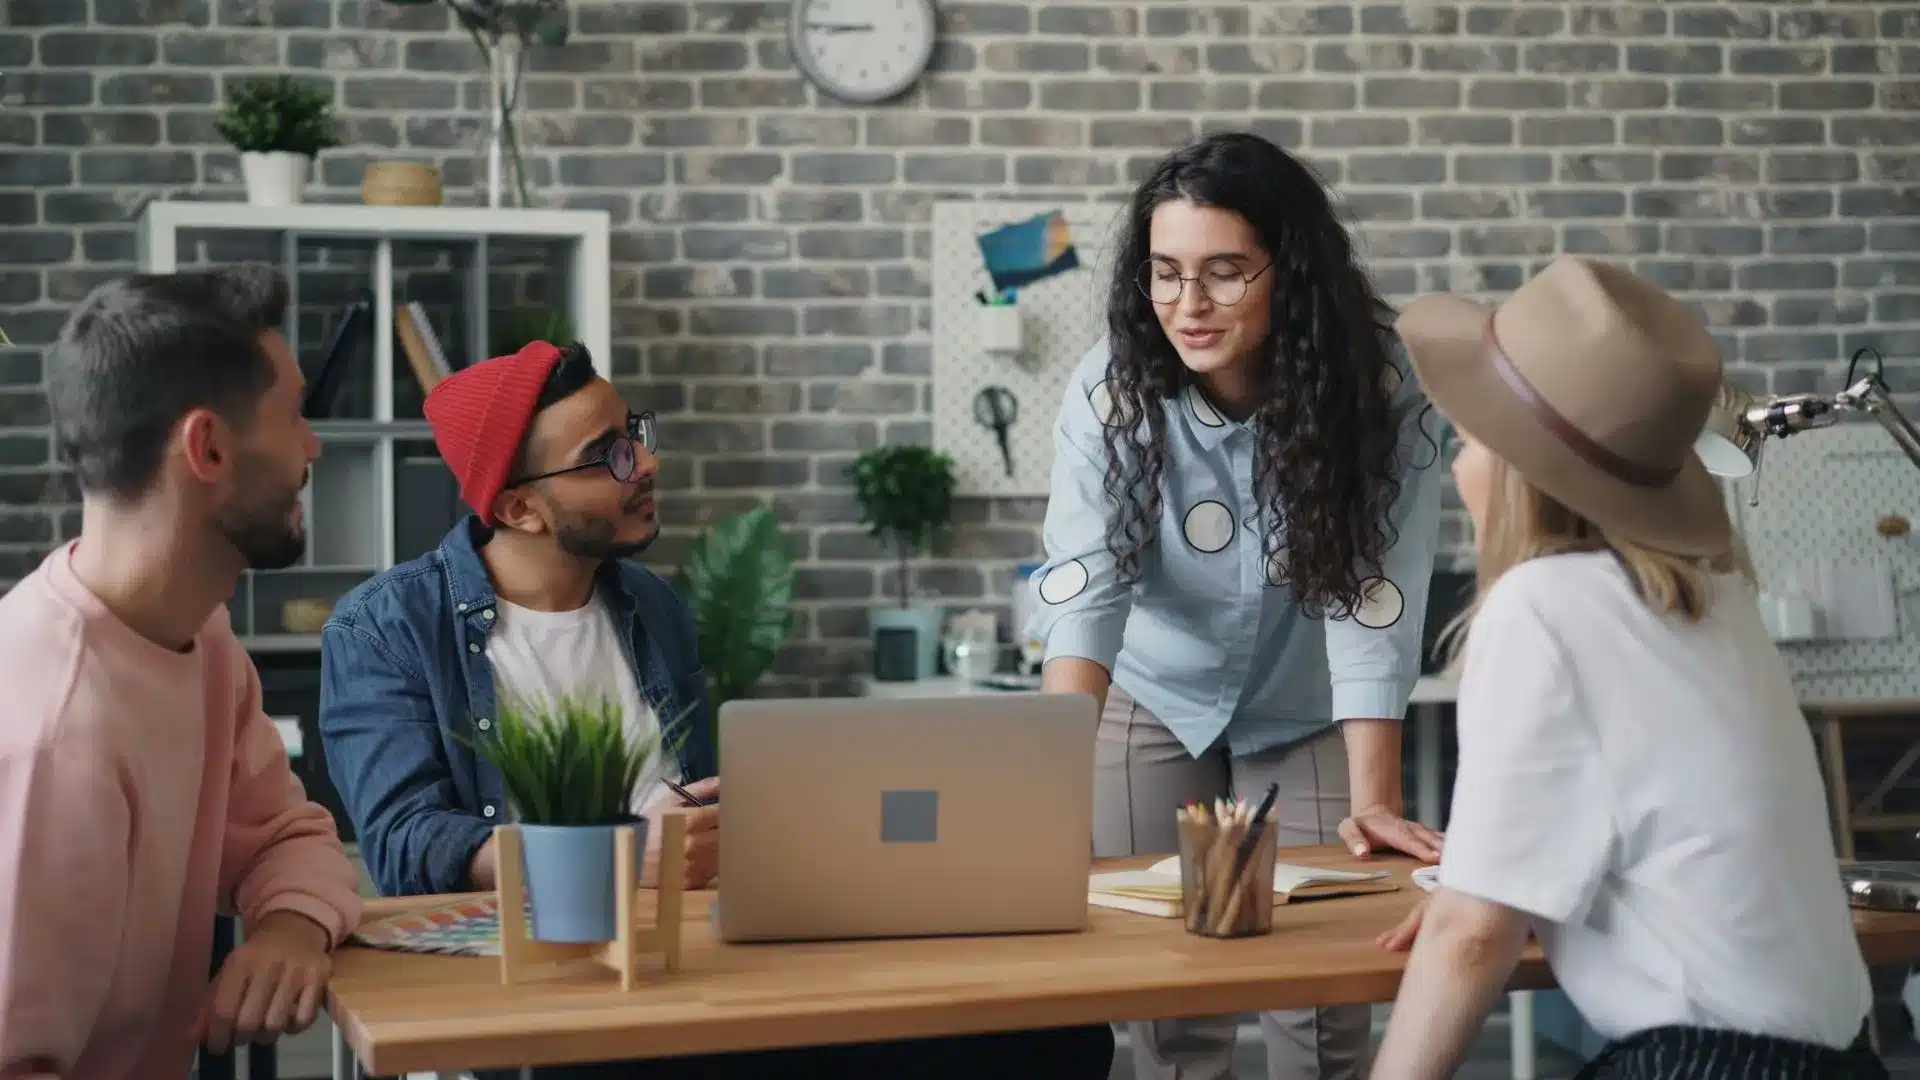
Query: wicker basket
point(304, 616)
point(400, 183)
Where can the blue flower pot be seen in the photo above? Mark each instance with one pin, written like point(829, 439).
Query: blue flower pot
point(569, 873)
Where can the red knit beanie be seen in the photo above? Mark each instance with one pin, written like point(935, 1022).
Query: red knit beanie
point(479, 416)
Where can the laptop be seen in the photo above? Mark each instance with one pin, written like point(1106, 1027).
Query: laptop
point(850, 818)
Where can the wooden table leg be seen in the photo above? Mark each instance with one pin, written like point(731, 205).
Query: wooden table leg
point(1833, 752)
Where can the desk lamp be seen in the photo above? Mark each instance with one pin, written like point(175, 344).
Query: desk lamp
point(1737, 431)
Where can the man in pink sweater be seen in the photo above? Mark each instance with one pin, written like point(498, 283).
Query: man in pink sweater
point(141, 786)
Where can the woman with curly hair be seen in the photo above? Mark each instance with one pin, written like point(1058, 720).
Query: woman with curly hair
point(1240, 535)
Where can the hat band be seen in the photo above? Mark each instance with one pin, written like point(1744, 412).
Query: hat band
point(1622, 469)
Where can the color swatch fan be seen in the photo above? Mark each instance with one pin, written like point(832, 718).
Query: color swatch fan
point(463, 928)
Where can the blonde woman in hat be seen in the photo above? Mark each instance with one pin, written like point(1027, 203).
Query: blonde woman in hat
point(1636, 784)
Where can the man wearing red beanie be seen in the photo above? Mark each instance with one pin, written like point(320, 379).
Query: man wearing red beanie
point(534, 598)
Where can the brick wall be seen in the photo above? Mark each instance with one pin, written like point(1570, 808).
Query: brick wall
point(771, 249)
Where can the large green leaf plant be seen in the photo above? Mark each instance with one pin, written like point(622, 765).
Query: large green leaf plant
point(738, 580)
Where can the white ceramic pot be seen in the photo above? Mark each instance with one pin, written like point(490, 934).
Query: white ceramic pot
point(276, 179)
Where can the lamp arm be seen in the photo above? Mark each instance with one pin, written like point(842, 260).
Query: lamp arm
point(1870, 395)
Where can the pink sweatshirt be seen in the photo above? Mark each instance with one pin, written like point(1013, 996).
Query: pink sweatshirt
point(140, 789)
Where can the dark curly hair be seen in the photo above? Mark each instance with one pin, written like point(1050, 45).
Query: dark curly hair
point(1327, 430)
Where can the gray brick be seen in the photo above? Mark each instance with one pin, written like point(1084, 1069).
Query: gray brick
point(1819, 310)
point(1359, 131)
point(978, 18)
point(1563, 203)
point(1088, 21)
point(1258, 58)
point(155, 89)
point(17, 208)
point(1811, 168)
point(1609, 95)
point(1502, 168)
point(1372, 57)
point(872, 320)
point(807, 131)
point(702, 167)
point(1400, 243)
point(1308, 95)
point(1710, 167)
point(1715, 240)
point(1463, 205)
point(1516, 94)
point(1464, 131)
point(1745, 21)
point(684, 55)
point(1893, 168)
point(63, 48)
point(613, 170)
point(839, 359)
point(1379, 205)
point(1504, 20)
point(1724, 95)
point(1775, 275)
point(1895, 131)
point(843, 168)
point(746, 92)
point(31, 169)
point(911, 129)
point(1159, 134)
point(954, 168)
point(1081, 95)
point(630, 17)
point(743, 398)
point(645, 94)
point(1617, 20)
point(197, 48)
point(276, 13)
point(1688, 59)
point(399, 93)
point(1895, 307)
point(810, 435)
point(1880, 202)
point(24, 13)
point(1816, 239)
point(1776, 131)
point(1397, 169)
point(1567, 130)
point(99, 129)
point(1147, 59)
point(1777, 60)
point(1207, 95)
point(725, 473)
point(689, 131)
point(852, 244)
point(1692, 275)
point(1882, 273)
point(1477, 58)
point(1036, 56)
point(1411, 93)
point(1796, 204)
point(1188, 17)
point(1585, 58)
point(724, 245)
point(701, 358)
point(986, 94)
point(26, 247)
point(1874, 59)
point(341, 52)
point(1025, 131)
point(1801, 25)
point(810, 207)
point(1789, 348)
point(1827, 94)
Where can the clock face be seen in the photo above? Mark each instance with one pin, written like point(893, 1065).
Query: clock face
point(863, 50)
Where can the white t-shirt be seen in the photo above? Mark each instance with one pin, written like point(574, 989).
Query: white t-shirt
point(539, 657)
point(1646, 789)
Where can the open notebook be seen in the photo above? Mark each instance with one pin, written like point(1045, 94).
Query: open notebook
point(1156, 890)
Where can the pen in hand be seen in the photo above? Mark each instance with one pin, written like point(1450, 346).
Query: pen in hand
point(690, 797)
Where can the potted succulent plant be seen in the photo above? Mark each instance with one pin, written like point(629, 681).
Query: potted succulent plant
point(737, 578)
point(279, 127)
point(570, 773)
point(906, 498)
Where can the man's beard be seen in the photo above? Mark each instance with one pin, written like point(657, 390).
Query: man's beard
point(597, 537)
point(259, 525)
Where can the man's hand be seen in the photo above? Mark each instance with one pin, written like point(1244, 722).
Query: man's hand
point(703, 835)
point(1379, 827)
point(271, 985)
point(1401, 938)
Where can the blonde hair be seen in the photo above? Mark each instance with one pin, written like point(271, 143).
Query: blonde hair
point(1522, 522)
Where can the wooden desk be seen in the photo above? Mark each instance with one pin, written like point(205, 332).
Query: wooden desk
point(406, 1013)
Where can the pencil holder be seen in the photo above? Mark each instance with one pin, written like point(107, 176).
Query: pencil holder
point(1226, 872)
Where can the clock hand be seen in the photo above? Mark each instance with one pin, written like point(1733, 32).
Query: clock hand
point(841, 28)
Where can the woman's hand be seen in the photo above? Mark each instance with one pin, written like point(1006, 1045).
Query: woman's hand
point(1401, 938)
point(1380, 828)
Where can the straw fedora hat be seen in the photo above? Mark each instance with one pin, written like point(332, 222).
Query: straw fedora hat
point(1593, 384)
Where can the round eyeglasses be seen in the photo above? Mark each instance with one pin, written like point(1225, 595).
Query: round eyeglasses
point(1221, 280)
point(622, 456)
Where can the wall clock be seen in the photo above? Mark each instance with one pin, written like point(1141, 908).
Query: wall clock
point(863, 51)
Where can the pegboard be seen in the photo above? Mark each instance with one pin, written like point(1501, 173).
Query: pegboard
point(1061, 317)
point(1822, 495)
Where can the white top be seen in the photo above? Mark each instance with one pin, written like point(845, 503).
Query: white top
point(1646, 790)
point(539, 657)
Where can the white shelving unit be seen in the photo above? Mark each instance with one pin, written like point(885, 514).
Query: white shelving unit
point(359, 468)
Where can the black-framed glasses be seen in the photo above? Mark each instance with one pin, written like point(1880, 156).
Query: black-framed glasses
point(1221, 280)
point(622, 459)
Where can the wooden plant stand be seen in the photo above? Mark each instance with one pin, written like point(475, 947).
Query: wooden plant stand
point(520, 954)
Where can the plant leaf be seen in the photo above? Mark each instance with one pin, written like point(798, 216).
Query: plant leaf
point(738, 581)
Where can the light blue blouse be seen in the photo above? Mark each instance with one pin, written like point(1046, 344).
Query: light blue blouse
point(1204, 640)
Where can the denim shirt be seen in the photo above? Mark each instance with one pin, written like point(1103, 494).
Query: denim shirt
point(1206, 639)
point(405, 690)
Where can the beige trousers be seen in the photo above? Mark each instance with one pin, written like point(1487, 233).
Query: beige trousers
point(1141, 774)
